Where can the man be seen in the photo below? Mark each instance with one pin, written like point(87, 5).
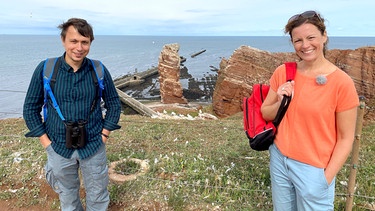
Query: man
point(75, 93)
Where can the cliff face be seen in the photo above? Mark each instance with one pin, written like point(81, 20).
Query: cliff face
point(169, 75)
point(248, 66)
point(360, 65)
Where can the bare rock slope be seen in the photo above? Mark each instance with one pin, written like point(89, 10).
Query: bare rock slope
point(248, 66)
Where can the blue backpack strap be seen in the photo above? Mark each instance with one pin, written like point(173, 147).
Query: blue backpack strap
point(99, 72)
point(49, 74)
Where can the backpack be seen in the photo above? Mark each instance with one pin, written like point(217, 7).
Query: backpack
point(260, 132)
point(50, 69)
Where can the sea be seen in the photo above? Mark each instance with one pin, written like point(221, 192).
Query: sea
point(123, 55)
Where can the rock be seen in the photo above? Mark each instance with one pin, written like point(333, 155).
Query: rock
point(248, 66)
point(169, 75)
point(236, 76)
point(360, 65)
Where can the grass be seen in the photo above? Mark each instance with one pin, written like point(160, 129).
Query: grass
point(194, 165)
point(127, 167)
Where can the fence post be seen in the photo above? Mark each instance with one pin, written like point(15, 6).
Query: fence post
point(355, 154)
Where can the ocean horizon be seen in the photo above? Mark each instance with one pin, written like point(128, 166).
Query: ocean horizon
point(127, 54)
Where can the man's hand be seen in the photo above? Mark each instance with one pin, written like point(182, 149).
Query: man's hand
point(45, 141)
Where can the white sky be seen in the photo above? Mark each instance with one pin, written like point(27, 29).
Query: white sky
point(185, 17)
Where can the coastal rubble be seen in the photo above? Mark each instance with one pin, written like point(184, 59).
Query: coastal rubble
point(236, 75)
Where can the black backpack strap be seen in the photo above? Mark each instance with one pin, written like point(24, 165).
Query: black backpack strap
point(95, 79)
point(97, 76)
point(282, 110)
point(291, 69)
point(54, 74)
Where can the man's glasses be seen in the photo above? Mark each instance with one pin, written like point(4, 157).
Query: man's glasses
point(307, 14)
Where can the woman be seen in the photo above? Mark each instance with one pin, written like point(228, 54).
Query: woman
point(315, 136)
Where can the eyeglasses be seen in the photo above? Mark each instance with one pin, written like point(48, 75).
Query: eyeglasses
point(307, 14)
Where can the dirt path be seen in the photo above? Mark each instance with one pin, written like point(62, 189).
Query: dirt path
point(49, 197)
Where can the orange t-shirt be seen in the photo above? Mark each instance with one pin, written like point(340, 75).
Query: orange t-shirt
point(307, 132)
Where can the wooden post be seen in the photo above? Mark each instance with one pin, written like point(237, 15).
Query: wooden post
point(355, 154)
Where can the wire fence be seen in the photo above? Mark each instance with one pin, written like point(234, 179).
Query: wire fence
point(347, 165)
point(148, 178)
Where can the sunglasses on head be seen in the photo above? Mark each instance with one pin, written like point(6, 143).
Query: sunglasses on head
point(307, 14)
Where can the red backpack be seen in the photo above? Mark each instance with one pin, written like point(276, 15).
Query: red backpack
point(260, 132)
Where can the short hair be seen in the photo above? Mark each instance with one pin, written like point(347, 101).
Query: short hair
point(82, 26)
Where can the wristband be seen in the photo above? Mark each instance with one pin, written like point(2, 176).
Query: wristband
point(105, 135)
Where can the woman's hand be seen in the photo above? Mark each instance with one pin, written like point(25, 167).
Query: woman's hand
point(329, 178)
point(285, 89)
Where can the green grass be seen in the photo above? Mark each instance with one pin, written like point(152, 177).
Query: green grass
point(127, 167)
point(194, 165)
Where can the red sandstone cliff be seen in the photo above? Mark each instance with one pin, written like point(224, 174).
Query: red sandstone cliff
point(248, 65)
point(169, 75)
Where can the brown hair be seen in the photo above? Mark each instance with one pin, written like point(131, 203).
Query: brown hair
point(81, 25)
point(297, 20)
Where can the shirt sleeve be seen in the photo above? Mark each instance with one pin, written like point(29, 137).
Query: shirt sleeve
point(33, 104)
point(347, 93)
point(278, 77)
point(112, 103)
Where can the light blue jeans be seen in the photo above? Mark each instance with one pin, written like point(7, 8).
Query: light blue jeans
point(62, 175)
point(298, 186)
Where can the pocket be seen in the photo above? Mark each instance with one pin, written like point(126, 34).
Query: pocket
point(50, 177)
point(95, 173)
point(324, 179)
point(49, 148)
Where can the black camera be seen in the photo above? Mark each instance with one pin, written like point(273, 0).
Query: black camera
point(75, 134)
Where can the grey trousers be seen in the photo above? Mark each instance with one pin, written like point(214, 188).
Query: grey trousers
point(63, 176)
